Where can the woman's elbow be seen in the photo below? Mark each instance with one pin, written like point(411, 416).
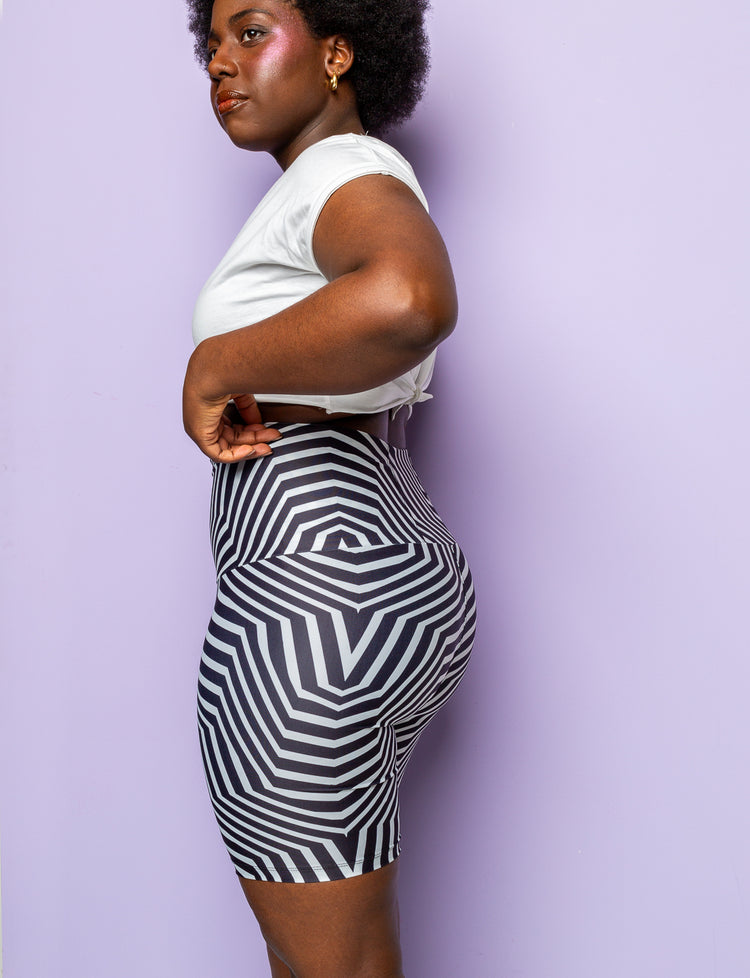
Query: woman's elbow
point(428, 310)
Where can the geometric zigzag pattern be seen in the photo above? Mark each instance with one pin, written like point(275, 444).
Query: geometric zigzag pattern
point(344, 619)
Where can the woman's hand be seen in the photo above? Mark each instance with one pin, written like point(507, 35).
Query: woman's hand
point(207, 421)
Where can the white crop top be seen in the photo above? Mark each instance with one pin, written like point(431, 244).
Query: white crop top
point(270, 264)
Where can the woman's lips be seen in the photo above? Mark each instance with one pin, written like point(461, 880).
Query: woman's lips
point(225, 103)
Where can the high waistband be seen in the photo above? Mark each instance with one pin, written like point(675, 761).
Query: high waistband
point(323, 487)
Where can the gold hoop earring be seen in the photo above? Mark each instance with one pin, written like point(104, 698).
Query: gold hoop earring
point(334, 82)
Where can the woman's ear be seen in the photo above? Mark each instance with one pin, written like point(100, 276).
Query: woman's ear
point(339, 56)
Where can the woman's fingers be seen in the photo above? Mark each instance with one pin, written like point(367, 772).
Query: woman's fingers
point(251, 430)
point(225, 433)
point(247, 408)
point(236, 442)
point(254, 434)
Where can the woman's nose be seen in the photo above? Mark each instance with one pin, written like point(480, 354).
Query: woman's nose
point(222, 64)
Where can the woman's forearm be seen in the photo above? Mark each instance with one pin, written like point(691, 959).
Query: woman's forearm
point(359, 331)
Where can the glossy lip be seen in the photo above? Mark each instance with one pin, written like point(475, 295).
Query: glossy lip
point(226, 101)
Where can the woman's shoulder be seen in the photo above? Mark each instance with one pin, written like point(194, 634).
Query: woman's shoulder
point(346, 148)
point(333, 161)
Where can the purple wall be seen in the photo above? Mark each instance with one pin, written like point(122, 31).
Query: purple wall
point(581, 809)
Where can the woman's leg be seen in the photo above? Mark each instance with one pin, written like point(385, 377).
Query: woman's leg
point(278, 968)
point(339, 929)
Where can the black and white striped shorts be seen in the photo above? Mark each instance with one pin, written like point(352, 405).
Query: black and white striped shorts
point(344, 619)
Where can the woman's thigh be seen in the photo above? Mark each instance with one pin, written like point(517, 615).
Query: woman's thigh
point(337, 929)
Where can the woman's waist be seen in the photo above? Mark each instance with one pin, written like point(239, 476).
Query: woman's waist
point(380, 424)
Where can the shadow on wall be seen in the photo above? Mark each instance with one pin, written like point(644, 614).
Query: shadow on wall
point(422, 149)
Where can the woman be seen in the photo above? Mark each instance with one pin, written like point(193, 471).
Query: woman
point(344, 614)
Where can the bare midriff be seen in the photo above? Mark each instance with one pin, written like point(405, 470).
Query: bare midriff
point(380, 424)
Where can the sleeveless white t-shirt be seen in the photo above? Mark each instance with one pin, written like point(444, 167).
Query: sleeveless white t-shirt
point(270, 264)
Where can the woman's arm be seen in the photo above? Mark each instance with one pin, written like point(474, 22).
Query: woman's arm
point(390, 299)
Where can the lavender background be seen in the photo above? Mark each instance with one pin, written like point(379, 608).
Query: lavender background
point(581, 808)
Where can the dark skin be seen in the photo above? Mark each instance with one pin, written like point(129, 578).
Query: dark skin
point(390, 299)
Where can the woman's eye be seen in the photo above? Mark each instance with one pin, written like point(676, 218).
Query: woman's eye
point(246, 34)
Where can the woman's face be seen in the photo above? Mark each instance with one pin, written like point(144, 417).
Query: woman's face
point(268, 73)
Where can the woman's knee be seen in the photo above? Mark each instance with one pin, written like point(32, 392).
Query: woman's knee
point(339, 929)
point(308, 958)
point(368, 969)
